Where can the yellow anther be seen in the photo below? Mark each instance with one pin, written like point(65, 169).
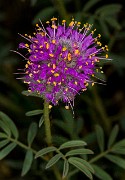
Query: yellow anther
point(99, 35)
point(53, 19)
point(41, 46)
point(97, 70)
point(90, 57)
point(93, 75)
point(34, 33)
point(106, 55)
point(54, 66)
point(47, 22)
point(53, 41)
point(39, 66)
point(66, 89)
point(26, 66)
point(29, 90)
point(36, 50)
point(28, 62)
point(29, 50)
point(66, 68)
point(43, 33)
point(34, 56)
point(50, 106)
point(34, 46)
point(30, 75)
point(64, 48)
point(52, 71)
point(36, 41)
point(54, 26)
point(29, 36)
point(54, 83)
point(38, 81)
point(80, 67)
point(71, 23)
point(103, 48)
point(48, 64)
point(86, 84)
point(56, 74)
point(69, 57)
point(48, 82)
point(87, 63)
point(84, 89)
point(63, 21)
point(102, 72)
point(41, 52)
point(37, 25)
point(76, 83)
point(79, 23)
point(27, 45)
point(66, 107)
point(93, 84)
point(77, 52)
point(59, 83)
point(47, 46)
point(51, 55)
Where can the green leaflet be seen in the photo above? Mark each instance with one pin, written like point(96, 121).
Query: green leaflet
point(89, 5)
point(27, 162)
point(41, 121)
point(5, 151)
point(82, 165)
point(45, 151)
point(117, 160)
point(10, 124)
point(32, 133)
point(65, 168)
point(100, 173)
point(34, 112)
point(5, 128)
point(79, 151)
point(72, 143)
point(53, 160)
point(4, 143)
point(100, 137)
point(113, 136)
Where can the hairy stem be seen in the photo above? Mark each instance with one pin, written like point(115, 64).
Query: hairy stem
point(47, 124)
point(49, 135)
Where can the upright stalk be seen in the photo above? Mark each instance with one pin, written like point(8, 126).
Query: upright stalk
point(49, 135)
point(47, 123)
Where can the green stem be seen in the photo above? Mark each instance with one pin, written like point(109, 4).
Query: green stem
point(49, 135)
point(25, 146)
point(96, 158)
point(47, 124)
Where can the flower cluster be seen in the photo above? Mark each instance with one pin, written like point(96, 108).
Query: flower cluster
point(61, 60)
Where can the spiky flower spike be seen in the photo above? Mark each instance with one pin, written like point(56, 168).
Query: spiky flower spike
point(62, 60)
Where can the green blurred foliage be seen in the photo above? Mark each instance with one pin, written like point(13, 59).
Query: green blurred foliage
point(103, 105)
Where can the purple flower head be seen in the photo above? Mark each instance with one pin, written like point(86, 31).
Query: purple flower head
point(61, 61)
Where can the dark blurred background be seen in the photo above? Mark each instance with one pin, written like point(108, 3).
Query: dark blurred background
point(101, 104)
